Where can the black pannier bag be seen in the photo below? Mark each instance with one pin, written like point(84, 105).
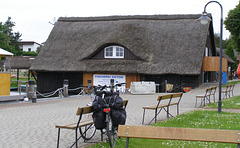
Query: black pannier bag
point(99, 116)
point(118, 113)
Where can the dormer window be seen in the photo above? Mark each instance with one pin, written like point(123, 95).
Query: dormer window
point(114, 52)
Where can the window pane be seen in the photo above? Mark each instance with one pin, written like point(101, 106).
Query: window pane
point(109, 51)
point(114, 52)
point(121, 54)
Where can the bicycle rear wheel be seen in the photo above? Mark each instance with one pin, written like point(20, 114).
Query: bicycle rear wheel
point(87, 132)
point(111, 132)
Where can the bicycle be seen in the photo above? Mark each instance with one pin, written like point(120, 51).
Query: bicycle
point(108, 97)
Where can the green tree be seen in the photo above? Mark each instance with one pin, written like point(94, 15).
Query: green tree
point(13, 37)
point(230, 52)
point(232, 23)
point(4, 41)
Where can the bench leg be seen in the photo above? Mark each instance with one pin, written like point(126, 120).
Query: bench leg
point(143, 116)
point(58, 138)
point(156, 115)
point(76, 137)
point(196, 102)
point(168, 112)
point(204, 100)
point(177, 109)
point(127, 142)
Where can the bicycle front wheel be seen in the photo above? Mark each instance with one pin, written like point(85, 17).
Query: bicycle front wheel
point(87, 132)
point(111, 132)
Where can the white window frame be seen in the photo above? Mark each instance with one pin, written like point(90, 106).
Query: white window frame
point(114, 55)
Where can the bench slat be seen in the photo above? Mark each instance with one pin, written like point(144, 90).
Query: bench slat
point(163, 97)
point(154, 106)
point(171, 133)
point(83, 122)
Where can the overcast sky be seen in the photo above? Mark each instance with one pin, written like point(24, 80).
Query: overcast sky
point(32, 17)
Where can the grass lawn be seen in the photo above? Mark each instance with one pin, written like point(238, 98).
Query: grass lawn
point(14, 81)
point(233, 102)
point(233, 82)
point(194, 119)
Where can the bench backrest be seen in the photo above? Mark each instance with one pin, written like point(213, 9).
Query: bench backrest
point(228, 87)
point(172, 133)
point(232, 87)
point(213, 90)
point(84, 110)
point(176, 97)
point(164, 97)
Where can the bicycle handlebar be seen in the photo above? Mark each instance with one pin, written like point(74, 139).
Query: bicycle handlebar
point(107, 86)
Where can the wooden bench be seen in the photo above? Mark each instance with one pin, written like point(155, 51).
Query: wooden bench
point(226, 91)
point(213, 92)
point(207, 96)
point(169, 100)
point(81, 122)
point(172, 133)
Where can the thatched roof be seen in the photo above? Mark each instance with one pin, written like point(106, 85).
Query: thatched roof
point(19, 62)
point(164, 44)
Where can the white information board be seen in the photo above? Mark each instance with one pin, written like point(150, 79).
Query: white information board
point(102, 79)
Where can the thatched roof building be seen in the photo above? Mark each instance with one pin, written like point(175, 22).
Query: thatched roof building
point(153, 45)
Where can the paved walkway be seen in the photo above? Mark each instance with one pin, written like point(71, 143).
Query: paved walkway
point(32, 125)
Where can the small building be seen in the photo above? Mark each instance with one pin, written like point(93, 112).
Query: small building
point(29, 46)
point(4, 53)
point(18, 64)
point(132, 48)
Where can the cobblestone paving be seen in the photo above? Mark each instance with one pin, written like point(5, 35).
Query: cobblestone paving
point(32, 125)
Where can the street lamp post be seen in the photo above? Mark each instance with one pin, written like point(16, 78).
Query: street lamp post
point(204, 20)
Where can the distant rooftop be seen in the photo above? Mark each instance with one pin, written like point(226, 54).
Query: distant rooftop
point(4, 52)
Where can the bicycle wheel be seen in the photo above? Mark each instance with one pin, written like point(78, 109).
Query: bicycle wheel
point(87, 132)
point(111, 133)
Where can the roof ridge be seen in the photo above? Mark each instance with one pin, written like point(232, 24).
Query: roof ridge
point(129, 17)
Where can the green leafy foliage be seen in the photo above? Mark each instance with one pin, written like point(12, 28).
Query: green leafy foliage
point(232, 24)
point(8, 38)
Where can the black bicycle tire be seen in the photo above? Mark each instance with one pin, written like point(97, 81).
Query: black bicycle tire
point(110, 133)
point(84, 136)
point(108, 130)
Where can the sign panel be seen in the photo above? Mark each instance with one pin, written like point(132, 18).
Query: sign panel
point(101, 79)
